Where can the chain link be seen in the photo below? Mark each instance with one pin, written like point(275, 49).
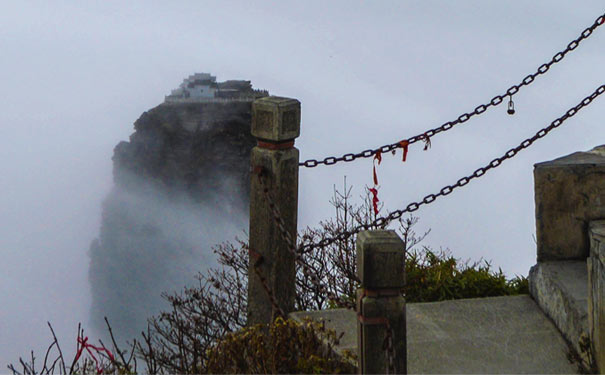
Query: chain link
point(495, 101)
point(388, 348)
point(263, 281)
point(382, 222)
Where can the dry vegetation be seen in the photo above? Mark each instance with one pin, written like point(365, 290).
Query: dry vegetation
point(204, 332)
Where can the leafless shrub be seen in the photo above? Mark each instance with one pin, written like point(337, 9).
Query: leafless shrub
point(181, 340)
point(89, 358)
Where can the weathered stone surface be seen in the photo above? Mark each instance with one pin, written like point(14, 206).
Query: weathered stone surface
point(189, 147)
point(596, 291)
point(381, 307)
point(281, 178)
point(569, 192)
point(498, 335)
point(371, 335)
point(380, 259)
point(560, 289)
point(276, 119)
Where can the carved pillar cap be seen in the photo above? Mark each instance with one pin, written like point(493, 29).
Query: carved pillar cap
point(380, 259)
point(276, 119)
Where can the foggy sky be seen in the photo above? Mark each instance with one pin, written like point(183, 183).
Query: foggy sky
point(76, 75)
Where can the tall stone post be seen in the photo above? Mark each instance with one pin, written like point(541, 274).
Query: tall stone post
point(596, 292)
point(380, 304)
point(275, 124)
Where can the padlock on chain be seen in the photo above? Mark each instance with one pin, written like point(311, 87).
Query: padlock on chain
point(511, 106)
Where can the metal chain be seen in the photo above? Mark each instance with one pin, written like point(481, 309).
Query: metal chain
point(269, 292)
point(382, 222)
point(495, 101)
point(291, 246)
point(388, 340)
point(387, 346)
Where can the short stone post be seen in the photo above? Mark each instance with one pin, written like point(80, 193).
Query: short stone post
point(596, 292)
point(275, 124)
point(380, 304)
point(569, 193)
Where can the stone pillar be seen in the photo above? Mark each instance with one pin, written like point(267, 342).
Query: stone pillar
point(569, 192)
point(275, 124)
point(381, 269)
point(596, 292)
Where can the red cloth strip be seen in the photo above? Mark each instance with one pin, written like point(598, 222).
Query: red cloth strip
point(404, 145)
point(276, 146)
point(375, 199)
point(372, 321)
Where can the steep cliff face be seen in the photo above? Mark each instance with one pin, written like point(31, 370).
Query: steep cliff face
point(181, 185)
point(189, 147)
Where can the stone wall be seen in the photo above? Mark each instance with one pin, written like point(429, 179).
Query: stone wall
point(596, 290)
point(569, 193)
point(172, 99)
point(568, 283)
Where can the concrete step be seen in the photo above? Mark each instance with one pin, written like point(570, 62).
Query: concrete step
point(561, 290)
point(502, 335)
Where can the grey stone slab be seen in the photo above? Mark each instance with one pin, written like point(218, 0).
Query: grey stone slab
point(569, 193)
point(483, 335)
point(561, 290)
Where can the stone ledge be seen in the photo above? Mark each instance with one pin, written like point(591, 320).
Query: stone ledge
point(560, 288)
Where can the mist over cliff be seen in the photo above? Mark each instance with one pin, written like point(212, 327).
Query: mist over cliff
point(181, 185)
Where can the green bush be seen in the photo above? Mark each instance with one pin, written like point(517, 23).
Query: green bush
point(434, 277)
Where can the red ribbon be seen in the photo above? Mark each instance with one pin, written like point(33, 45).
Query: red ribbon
point(375, 199)
point(404, 145)
point(276, 146)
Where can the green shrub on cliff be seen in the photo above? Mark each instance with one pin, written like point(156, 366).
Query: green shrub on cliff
point(432, 276)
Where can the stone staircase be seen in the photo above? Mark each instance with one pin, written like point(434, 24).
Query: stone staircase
point(498, 335)
point(560, 289)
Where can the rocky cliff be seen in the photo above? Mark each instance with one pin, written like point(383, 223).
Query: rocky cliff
point(180, 186)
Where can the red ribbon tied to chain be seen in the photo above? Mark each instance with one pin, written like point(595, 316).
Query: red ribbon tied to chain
point(374, 190)
point(404, 145)
point(375, 199)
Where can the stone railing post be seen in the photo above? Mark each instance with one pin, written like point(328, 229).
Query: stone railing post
point(275, 124)
point(380, 304)
point(569, 193)
point(596, 292)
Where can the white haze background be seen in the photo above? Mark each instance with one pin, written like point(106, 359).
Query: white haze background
point(76, 75)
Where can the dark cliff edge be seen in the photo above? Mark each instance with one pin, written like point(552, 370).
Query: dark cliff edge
point(181, 185)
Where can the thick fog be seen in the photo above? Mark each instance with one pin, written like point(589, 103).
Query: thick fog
point(76, 75)
point(155, 240)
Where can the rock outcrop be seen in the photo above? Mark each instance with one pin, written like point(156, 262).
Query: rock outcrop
point(181, 185)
